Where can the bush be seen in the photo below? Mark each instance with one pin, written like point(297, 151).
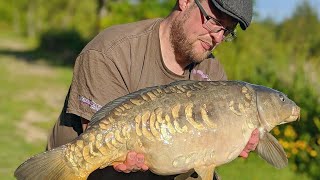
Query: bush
point(66, 44)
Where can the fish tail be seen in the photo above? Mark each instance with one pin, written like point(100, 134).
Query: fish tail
point(50, 165)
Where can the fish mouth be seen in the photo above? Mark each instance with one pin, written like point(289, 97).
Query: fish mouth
point(295, 115)
point(296, 111)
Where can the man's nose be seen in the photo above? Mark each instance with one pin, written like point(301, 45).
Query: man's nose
point(218, 36)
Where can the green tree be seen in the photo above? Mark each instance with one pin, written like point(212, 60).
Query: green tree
point(285, 56)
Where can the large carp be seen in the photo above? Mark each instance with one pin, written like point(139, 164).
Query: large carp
point(179, 127)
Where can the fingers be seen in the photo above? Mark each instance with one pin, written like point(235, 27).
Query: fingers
point(254, 140)
point(244, 154)
point(140, 165)
point(251, 145)
point(144, 167)
point(134, 162)
point(131, 159)
point(254, 135)
point(140, 160)
point(120, 167)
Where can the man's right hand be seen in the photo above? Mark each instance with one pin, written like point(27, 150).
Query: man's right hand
point(134, 162)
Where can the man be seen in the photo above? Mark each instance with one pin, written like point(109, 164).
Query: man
point(125, 58)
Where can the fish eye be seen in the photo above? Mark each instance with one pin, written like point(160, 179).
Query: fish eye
point(282, 98)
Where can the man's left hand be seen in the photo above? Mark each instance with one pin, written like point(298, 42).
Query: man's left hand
point(251, 145)
point(134, 162)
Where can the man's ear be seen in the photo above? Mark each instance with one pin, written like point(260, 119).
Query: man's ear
point(184, 4)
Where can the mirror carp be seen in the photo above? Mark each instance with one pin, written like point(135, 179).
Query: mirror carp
point(182, 126)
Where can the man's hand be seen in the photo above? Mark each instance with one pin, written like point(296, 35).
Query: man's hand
point(134, 162)
point(251, 145)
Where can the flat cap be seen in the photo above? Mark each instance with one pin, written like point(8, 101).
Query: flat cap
point(241, 10)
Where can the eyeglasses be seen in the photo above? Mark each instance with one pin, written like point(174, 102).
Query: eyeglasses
point(214, 26)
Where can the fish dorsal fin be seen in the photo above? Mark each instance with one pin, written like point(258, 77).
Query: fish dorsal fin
point(270, 150)
point(111, 105)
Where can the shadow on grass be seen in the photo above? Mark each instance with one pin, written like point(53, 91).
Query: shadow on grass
point(56, 47)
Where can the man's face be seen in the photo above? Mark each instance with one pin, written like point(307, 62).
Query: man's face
point(190, 40)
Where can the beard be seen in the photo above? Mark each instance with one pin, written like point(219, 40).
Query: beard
point(183, 46)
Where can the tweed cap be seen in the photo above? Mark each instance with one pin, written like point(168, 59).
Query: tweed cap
point(241, 10)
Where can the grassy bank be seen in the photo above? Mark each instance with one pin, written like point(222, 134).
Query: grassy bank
point(31, 98)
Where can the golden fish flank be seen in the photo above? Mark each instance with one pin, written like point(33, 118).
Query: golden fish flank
point(180, 89)
point(137, 102)
point(127, 106)
point(138, 125)
point(175, 114)
point(146, 97)
point(169, 125)
point(153, 127)
point(158, 126)
point(145, 128)
point(195, 158)
point(162, 121)
point(152, 96)
point(190, 119)
point(204, 114)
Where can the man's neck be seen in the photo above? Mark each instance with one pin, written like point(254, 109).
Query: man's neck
point(169, 58)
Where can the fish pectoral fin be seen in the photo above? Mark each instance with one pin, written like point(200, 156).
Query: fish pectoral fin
point(205, 172)
point(270, 150)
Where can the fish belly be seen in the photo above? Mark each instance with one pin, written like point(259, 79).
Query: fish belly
point(193, 149)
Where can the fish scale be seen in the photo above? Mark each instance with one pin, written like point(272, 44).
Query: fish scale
point(178, 127)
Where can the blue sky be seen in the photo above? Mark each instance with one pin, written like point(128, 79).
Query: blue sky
point(281, 9)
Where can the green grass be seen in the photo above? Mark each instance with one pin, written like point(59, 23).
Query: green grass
point(255, 168)
point(35, 93)
point(29, 92)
